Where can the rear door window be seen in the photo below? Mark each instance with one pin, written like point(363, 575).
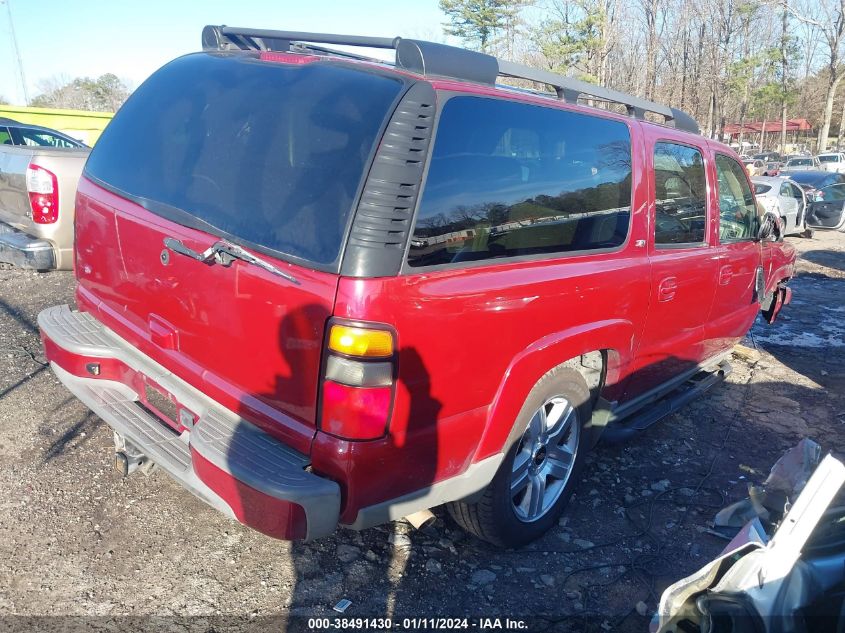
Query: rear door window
point(509, 179)
point(41, 138)
point(737, 211)
point(269, 155)
point(680, 195)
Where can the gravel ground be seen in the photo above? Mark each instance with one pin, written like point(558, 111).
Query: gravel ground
point(77, 541)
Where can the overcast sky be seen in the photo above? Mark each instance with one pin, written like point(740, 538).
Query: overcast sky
point(132, 38)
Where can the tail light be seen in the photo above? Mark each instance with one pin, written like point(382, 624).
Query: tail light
point(43, 189)
point(358, 381)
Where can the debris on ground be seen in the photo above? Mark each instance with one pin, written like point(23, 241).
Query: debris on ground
point(768, 501)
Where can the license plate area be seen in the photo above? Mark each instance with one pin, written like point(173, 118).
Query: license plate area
point(165, 407)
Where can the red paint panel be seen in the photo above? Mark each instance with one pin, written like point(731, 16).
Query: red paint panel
point(270, 516)
point(110, 368)
point(249, 339)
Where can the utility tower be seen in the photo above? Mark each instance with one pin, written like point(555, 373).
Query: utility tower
point(17, 51)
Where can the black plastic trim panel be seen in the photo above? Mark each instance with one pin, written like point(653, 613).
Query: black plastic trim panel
point(382, 221)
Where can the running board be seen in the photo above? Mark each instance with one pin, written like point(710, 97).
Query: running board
point(622, 429)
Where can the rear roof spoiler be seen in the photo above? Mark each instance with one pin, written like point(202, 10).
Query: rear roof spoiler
point(439, 60)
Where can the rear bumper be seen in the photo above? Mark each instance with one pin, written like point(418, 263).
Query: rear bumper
point(226, 461)
point(25, 251)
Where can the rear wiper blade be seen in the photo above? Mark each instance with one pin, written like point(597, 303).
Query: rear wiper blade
point(224, 253)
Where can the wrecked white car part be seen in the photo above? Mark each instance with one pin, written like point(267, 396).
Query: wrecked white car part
point(761, 587)
point(785, 482)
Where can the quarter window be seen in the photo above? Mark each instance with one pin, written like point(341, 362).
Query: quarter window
point(508, 179)
point(680, 192)
point(737, 212)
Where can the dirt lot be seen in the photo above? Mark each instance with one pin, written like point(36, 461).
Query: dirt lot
point(76, 540)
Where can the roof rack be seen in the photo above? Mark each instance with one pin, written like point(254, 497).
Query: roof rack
point(441, 60)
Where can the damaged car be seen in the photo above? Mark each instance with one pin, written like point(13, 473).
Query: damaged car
point(786, 199)
point(783, 572)
point(827, 209)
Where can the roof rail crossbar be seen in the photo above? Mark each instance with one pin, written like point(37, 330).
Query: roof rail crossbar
point(217, 37)
point(433, 59)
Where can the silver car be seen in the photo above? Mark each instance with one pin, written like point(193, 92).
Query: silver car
point(802, 163)
point(784, 197)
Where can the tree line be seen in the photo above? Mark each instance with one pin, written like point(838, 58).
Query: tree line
point(723, 61)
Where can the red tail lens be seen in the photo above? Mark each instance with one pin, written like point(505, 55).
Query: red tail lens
point(43, 188)
point(357, 413)
point(358, 381)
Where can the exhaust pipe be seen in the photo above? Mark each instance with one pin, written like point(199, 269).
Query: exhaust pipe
point(421, 518)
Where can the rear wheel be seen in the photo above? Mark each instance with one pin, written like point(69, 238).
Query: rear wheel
point(539, 472)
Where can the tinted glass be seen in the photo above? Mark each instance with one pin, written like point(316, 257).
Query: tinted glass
point(799, 162)
point(828, 158)
point(5, 137)
point(833, 193)
point(40, 138)
point(268, 154)
point(737, 211)
point(680, 192)
point(758, 188)
point(509, 179)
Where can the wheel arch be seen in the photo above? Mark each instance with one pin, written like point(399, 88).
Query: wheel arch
point(598, 351)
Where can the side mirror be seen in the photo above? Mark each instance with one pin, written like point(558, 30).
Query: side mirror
point(771, 229)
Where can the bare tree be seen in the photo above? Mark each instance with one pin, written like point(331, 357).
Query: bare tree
point(828, 16)
point(654, 12)
point(720, 60)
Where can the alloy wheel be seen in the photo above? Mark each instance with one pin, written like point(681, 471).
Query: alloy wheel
point(545, 458)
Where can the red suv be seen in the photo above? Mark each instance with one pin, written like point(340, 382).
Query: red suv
point(319, 289)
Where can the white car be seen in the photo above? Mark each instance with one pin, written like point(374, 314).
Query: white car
point(833, 161)
point(785, 198)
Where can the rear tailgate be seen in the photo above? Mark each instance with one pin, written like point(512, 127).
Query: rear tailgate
point(248, 338)
point(14, 202)
point(15, 209)
point(231, 148)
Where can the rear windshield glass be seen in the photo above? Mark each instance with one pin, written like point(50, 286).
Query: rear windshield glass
point(799, 162)
point(758, 189)
point(828, 158)
point(270, 155)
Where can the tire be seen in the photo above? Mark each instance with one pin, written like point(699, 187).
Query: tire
point(513, 519)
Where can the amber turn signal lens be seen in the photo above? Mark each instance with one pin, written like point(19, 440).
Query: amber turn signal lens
point(357, 341)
